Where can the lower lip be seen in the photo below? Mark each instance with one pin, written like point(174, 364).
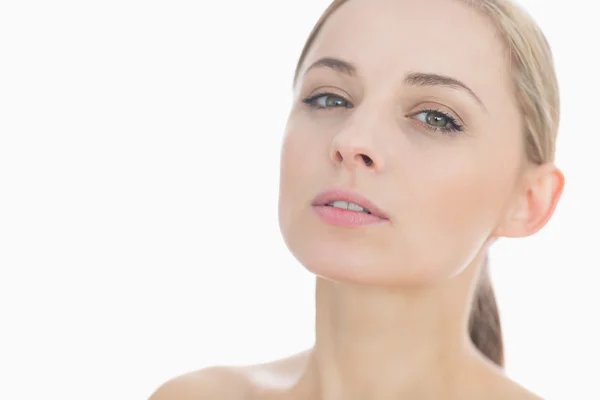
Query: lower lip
point(340, 217)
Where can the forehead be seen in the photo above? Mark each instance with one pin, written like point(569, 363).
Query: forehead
point(388, 38)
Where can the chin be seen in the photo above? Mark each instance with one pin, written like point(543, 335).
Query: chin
point(344, 261)
point(366, 256)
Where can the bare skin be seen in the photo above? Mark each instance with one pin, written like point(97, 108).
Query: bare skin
point(448, 167)
point(292, 379)
point(317, 374)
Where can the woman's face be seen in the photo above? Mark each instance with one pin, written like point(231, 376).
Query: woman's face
point(408, 104)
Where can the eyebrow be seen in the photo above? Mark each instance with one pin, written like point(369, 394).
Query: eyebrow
point(412, 78)
point(336, 64)
point(424, 79)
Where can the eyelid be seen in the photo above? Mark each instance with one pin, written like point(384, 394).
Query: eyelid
point(324, 90)
point(426, 106)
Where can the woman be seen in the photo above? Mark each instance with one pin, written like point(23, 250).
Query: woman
point(421, 131)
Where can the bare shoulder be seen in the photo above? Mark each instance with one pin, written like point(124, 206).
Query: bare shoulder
point(209, 383)
point(501, 387)
point(269, 381)
point(512, 390)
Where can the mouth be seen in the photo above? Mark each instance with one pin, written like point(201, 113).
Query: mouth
point(349, 202)
point(347, 205)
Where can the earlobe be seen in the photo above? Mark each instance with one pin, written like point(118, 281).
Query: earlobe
point(535, 204)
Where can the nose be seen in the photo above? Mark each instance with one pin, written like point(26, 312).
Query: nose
point(355, 151)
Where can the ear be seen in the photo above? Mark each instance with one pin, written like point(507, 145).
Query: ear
point(534, 202)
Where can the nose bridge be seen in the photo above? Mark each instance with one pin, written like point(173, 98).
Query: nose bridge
point(359, 141)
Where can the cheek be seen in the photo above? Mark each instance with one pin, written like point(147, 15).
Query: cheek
point(460, 200)
point(466, 186)
point(296, 159)
point(300, 165)
point(304, 154)
point(455, 205)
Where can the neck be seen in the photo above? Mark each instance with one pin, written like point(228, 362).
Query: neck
point(387, 344)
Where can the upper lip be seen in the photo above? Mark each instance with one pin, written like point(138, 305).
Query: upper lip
point(344, 195)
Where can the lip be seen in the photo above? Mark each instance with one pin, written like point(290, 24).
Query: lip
point(339, 194)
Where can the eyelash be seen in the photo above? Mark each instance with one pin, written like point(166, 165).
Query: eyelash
point(454, 127)
point(312, 101)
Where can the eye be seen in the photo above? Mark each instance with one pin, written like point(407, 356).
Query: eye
point(438, 121)
point(327, 100)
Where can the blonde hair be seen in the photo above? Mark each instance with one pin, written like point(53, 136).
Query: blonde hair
point(537, 95)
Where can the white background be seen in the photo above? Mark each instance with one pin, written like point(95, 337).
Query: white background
point(139, 150)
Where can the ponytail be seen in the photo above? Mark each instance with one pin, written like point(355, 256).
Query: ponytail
point(484, 322)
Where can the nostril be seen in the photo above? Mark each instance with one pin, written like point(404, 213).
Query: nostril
point(367, 160)
point(355, 159)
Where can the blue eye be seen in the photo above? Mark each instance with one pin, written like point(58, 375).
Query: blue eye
point(327, 100)
point(438, 121)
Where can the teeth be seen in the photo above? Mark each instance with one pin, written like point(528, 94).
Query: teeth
point(348, 206)
point(355, 207)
